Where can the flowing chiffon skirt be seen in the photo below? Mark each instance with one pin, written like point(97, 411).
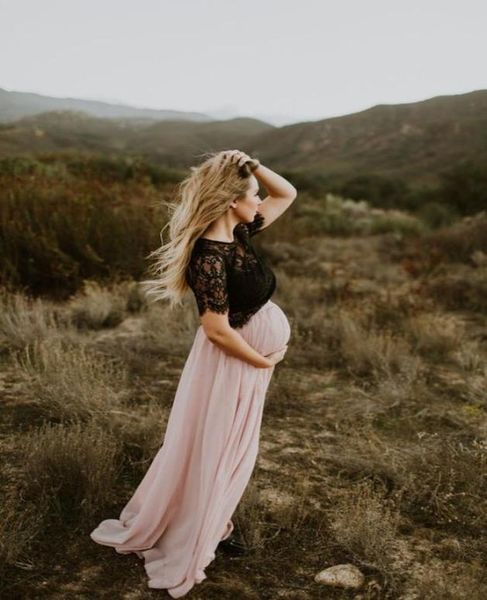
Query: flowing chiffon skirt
point(182, 508)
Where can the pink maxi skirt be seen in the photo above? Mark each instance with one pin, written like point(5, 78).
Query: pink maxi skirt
point(182, 508)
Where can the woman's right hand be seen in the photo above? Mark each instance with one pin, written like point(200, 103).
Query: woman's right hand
point(277, 356)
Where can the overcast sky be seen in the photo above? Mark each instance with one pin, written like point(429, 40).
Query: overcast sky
point(283, 60)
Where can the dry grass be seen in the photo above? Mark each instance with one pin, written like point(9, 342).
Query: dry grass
point(435, 336)
point(169, 331)
point(365, 523)
point(372, 446)
point(62, 477)
point(446, 484)
point(25, 320)
point(21, 526)
point(95, 307)
point(450, 581)
point(459, 287)
point(74, 468)
point(372, 352)
point(69, 383)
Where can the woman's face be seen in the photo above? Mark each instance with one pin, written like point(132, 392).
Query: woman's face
point(247, 207)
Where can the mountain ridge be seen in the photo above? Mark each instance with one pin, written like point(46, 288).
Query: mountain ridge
point(413, 141)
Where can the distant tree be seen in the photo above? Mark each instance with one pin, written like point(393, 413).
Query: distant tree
point(378, 190)
point(464, 187)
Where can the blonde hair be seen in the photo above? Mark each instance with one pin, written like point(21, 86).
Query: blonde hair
point(202, 197)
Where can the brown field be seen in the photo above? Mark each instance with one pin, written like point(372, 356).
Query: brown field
point(373, 446)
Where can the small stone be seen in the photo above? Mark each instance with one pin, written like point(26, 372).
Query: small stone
point(343, 576)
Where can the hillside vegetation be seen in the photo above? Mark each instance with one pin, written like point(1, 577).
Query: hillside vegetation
point(69, 217)
point(373, 440)
point(410, 143)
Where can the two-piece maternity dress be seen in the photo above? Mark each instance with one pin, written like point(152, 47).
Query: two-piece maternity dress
point(182, 508)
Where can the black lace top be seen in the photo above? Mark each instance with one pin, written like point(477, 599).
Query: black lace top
point(231, 276)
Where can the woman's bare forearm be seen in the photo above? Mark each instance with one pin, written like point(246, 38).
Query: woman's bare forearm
point(231, 342)
point(274, 183)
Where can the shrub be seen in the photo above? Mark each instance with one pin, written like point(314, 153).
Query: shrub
point(342, 216)
point(69, 383)
point(24, 320)
point(72, 468)
point(436, 214)
point(458, 242)
point(365, 523)
point(96, 307)
point(57, 232)
point(458, 287)
point(446, 483)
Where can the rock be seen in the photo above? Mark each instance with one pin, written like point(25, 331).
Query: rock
point(343, 576)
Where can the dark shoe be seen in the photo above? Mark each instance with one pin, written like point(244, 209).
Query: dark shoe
point(233, 546)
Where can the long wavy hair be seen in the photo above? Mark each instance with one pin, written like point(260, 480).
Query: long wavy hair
point(201, 198)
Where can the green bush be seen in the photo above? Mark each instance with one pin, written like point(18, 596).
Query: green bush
point(335, 215)
point(436, 214)
point(60, 225)
point(464, 187)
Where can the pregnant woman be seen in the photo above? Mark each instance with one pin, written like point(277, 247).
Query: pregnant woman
point(182, 508)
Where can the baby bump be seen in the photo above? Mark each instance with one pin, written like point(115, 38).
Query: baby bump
point(268, 329)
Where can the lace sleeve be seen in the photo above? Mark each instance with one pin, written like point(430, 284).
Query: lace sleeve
point(256, 225)
point(208, 280)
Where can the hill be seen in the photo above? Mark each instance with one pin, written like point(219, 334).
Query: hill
point(16, 105)
point(414, 142)
point(172, 143)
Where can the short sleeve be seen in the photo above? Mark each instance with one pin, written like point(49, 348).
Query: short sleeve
point(256, 225)
point(208, 280)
